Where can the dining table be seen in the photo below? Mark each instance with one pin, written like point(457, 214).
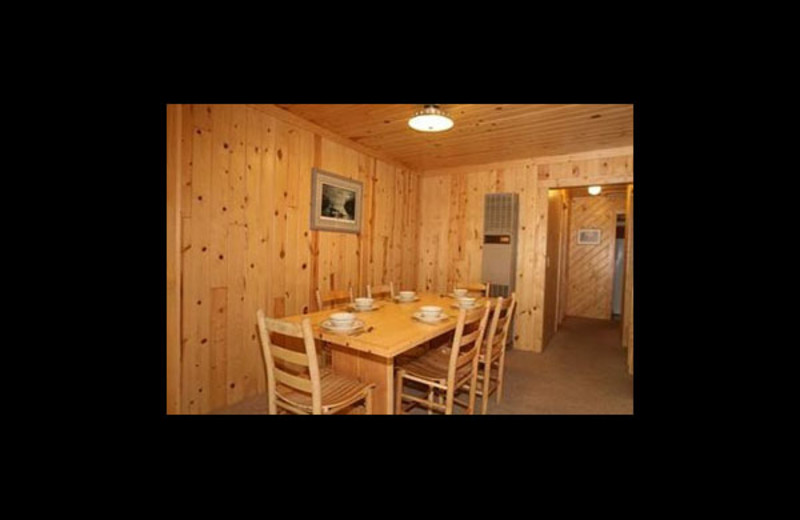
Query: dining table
point(389, 330)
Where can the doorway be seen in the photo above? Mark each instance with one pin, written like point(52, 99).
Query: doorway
point(586, 255)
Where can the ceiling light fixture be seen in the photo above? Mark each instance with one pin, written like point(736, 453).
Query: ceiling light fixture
point(595, 190)
point(431, 119)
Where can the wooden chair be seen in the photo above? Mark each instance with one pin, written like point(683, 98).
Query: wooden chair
point(334, 297)
point(295, 383)
point(493, 353)
point(380, 291)
point(447, 369)
point(477, 288)
point(331, 299)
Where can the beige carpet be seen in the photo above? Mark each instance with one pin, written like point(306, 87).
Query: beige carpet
point(582, 371)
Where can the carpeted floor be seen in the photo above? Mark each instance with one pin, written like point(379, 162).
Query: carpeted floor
point(582, 371)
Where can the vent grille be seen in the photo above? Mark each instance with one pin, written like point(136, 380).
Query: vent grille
point(500, 210)
point(496, 290)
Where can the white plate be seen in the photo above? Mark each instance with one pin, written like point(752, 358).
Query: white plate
point(442, 317)
point(374, 307)
point(328, 326)
point(398, 300)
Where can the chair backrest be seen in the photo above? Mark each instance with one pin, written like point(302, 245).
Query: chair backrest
point(501, 322)
point(380, 290)
point(276, 358)
point(482, 288)
point(466, 346)
point(334, 297)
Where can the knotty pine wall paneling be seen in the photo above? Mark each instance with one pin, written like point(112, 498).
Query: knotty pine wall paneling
point(627, 313)
point(451, 232)
point(242, 195)
point(451, 222)
point(553, 265)
point(591, 266)
point(174, 159)
point(562, 264)
point(628, 273)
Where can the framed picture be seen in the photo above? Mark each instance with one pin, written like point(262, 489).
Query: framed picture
point(335, 202)
point(588, 236)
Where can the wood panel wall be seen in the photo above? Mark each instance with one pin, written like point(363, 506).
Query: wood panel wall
point(245, 193)
point(451, 229)
point(173, 259)
point(555, 229)
point(591, 266)
point(562, 265)
point(627, 303)
point(451, 222)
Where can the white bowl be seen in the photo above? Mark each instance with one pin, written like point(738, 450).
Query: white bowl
point(466, 302)
point(406, 295)
point(342, 320)
point(430, 311)
point(364, 303)
point(458, 293)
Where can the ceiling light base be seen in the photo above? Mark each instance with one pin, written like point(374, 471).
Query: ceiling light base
point(431, 119)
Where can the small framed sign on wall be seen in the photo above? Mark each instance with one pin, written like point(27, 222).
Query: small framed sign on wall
point(588, 236)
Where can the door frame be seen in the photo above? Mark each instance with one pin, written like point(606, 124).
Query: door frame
point(539, 277)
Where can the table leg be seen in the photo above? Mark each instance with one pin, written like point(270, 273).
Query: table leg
point(369, 369)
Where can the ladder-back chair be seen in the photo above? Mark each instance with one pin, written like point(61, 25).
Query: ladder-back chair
point(493, 353)
point(334, 297)
point(295, 383)
point(380, 291)
point(475, 289)
point(447, 369)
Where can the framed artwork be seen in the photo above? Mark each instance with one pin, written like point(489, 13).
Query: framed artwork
point(335, 202)
point(588, 236)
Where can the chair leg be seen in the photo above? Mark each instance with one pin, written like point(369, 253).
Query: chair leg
point(473, 390)
point(368, 402)
point(398, 392)
point(500, 371)
point(430, 400)
point(451, 394)
point(487, 372)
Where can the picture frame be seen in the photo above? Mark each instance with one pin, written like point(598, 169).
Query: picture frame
point(588, 236)
point(335, 202)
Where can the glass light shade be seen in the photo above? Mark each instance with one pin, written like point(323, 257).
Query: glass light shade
point(595, 190)
point(430, 119)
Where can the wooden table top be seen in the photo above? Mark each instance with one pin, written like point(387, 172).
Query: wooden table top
point(394, 329)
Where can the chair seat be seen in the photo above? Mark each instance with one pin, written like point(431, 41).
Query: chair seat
point(337, 391)
point(434, 366)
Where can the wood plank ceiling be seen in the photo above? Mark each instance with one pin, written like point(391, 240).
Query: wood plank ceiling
point(481, 134)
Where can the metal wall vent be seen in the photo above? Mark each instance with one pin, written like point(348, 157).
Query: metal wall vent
point(500, 222)
point(496, 290)
point(500, 214)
